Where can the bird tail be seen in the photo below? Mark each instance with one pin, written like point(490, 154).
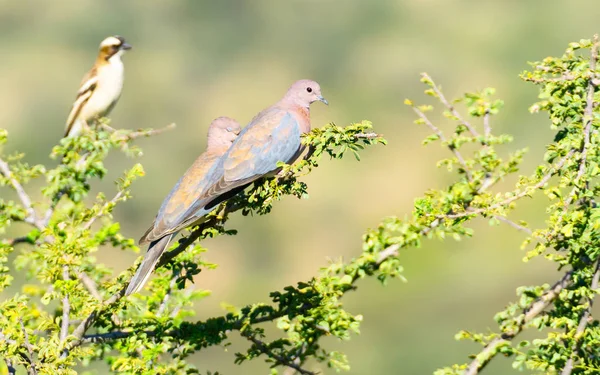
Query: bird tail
point(75, 128)
point(155, 251)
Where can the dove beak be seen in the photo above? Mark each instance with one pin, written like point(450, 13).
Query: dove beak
point(322, 99)
point(126, 46)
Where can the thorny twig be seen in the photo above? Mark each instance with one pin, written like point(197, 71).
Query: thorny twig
point(89, 284)
point(100, 212)
point(583, 322)
point(513, 224)
point(141, 133)
point(23, 196)
point(66, 306)
point(515, 197)
point(449, 106)
point(536, 308)
point(442, 138)
point(262, 347)
point(165, 300)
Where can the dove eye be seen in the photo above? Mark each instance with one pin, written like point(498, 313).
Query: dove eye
point(309, 89)
point(229, 129)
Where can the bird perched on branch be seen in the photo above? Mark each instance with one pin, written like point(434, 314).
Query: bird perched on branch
point(100, 88)
point(174, 214)
point(272, 136)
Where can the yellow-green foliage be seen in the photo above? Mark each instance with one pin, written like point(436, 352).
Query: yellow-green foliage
point(73, 311)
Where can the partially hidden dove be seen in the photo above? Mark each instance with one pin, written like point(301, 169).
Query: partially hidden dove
point(174, 214)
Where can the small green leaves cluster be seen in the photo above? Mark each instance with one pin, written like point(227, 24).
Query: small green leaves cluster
point(331, 140)
point(567, 336)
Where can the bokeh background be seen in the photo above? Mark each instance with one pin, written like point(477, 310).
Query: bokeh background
point(196, 60)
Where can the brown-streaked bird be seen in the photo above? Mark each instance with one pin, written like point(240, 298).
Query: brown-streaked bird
point(274, 135)
point(100, 88)
point(174, 214)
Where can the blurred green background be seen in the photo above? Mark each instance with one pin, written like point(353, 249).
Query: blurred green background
point(193, 61)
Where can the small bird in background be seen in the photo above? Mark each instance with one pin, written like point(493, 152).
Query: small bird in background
point(175, 214)
point(100, 88)
point(272, 136)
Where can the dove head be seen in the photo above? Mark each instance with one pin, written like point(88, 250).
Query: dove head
point(113, 46)
point(303, 93)
point(222, 132)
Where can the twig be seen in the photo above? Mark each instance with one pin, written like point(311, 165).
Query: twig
point(165, 300)
point(23, 196)
point(588, 114)
point(536, 308)
point(390, 251)
point(148, 133)
point(441, 136)
point(52, 207)
point(101, 210)
point(32, 369)
point(64, 325)
point(291, 370)
point(509, 200)
point(450, 106)
point(367, 135)
point(487, 129)
point(87, 322)
point(89, 284)
point(281, 360)
point(513, 224)
point(583, 322)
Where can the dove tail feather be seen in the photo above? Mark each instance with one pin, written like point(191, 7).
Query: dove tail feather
point(155, 251)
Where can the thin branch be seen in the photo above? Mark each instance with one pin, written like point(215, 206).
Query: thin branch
point(516, 197)
point(52, 207)
point(99, 338)
point(262, 347)
point(536, 308)
point(66, 306)
point(450, 107)
point(89, 284)
point(443, 138)
point(390, 251)
point(102, 209)
point(588, 114)
point(32, 368)
point(513, 224)
point(583, 322)
point(23, 196)
point(165, 300)
point(487, 129)
point(143, 133)
point(367, 135)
